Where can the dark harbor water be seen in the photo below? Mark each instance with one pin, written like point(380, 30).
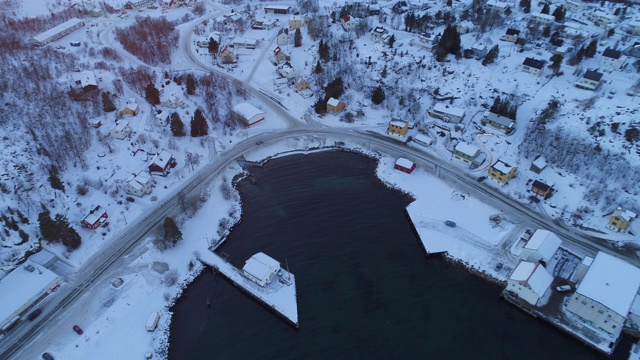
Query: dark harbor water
point(365, 288)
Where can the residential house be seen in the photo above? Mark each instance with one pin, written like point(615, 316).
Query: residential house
point(135, 4)
point(171, 100)
point(248, 114)
point(296, 22)
point(447, 113)
point(633, 28)
point(573, 5)
point(467, 154)
point(280, 83)
point(611, 59)
point(620, 220)
point(231, 19)
point(591, 80)
point(264, 24)
point(287, 71)
point(85, 80)
point(554, 43)
point(600, 18)
point(397, 127)
point(541, 246)
point(533, 66)
point(427, 43)
point(564, 50)
point(95, 218)
point(542, 189)
point(422, 139)
point(374, 9)
point(283, 37)
point(633, 50)
point(335, 106)
point(604, 297)
point(538, 164)
point(498, 7)
point(380, 34)
point(511, 35)
point(404, 165)
point(280, 56)
point(529, 281)
point(347, 22)
point(121, 131)
point(131, 108)
point(479, 50)
point(162, 118)
point(301, 84)
point(277, 9)
point(465, 27)
point(162, 163)
point(499, 122)
point(542, 19)
point(139, 184)
point(227, 56)
point(502, 172)
point(244, 43)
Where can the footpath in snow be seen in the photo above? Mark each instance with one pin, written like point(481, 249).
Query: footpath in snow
point(279, 296)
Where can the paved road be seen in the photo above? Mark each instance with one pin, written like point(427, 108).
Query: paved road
point(106, 261)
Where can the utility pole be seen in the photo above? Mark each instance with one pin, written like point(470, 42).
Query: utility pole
point(125, 219)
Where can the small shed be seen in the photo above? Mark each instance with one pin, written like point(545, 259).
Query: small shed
point(261, 268)
point(248, 114)
point(538, 164)
point(405, 165)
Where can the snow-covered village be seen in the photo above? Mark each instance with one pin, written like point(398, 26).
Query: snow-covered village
point(128, 125)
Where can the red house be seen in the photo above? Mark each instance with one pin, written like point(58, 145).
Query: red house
point(405, 165)
point(96, 218)
point(161, 163)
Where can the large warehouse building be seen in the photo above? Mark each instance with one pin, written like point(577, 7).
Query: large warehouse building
point(57, 32)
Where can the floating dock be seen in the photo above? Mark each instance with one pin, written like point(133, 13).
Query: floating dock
point(279, 295)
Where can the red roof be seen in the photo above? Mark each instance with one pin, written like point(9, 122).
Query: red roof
point(346, 18)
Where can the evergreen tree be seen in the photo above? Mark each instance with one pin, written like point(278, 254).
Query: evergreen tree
point(320, 106)
point(191, 84)
point(545, 9)
point(559, 13)
point(67, 235)
point(107, 104)
point(495, 108)
point(318, 68)
point(410, 22)
point(177, 126)
point(378, 96)
point(556, 62)
point(450, 41)
point(334, 89)
point(546, 32)
point(170, 231)
point(48, 228)
point(323, 51)
point(297, 38)
point(54, 179)
point(491, 55)
point(392, 40)
point(152, 94)
point(591, 49)
point(199, 125)
point(213, 46)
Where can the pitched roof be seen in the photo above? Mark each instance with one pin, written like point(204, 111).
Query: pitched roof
point(467, 148)
point(533, 274)
point(333, 102)
point(513, 32)
point(540, 185)
point(534, 63)
point(502, 167)
point(611, 53)
point(545, 242)
point(592, 75)
point(346, 18)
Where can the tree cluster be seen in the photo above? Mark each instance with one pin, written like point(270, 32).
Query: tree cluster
point(151, 40)
point(449, 43)
point(504, 107)
point(491, 55)
point(171, 234)
point(176, 125)
point(199, 125)
point(323, 51)
point(58, 230)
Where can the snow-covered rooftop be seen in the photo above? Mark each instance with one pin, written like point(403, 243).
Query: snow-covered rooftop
point(333, 102)
point(55, 30)
point(502, 167)
point(95, 214)
point(533, 274)
point(247, 110)
point(612, 282)
point(405, 163)
point(545, 242)
point(466, 148)
point(260, 265)
point(162, 158)
point(443, 108)
point(20, 286)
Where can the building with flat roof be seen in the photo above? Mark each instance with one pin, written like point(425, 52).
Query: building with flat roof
point(57, 32)
point(22, 290)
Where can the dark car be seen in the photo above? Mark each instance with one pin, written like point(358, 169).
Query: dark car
point(47, 356)
point(534, 199)
point(77, 329)
point(450, 223)
point(481, 178)
point(34, 314)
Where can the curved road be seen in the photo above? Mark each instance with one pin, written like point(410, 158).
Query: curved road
point(106, 260)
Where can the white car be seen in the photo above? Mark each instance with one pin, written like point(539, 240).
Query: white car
point(563, 288)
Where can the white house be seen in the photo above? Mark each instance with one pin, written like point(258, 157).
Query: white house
point(533, 66)
point(605, 295)
point(380, 34)
point(529, 281)
point(466, 153)
point(283, 36)
point(542, 19)
point(511, 35)
point(244, 43)
point(495, 6)
point(248, 114)
point(541, 247)
point(121, 130)
point(171, 100)
point(85, 79)
point(162, 118)
point(287, 71)
point(591, 80)
point(601, 18)
point(633, 27)
point(139, 185)
point(261, 268)
point(56, 32)
point(347, 22)
point(573, 5)
point(611, 59)
point(447, 113)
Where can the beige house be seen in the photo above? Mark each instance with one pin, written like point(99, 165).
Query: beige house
point(397, 127)
point(302, 84)
point(529, 282)
point(620, 220)
point(604, 297)
point(533, 66)
point(296, 22)
point(227, 56)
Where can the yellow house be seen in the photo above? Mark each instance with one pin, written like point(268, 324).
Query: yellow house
point(228, 57)
point(296, 22)
point(334, 106)
point(302, 84)
point(502, 172)
point(398, 127)
point(132, 108)
point(620, 219)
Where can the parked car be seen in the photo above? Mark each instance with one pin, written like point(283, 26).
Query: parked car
point(450, 223)
point(563, 288)
point(534, 199)
point(77, 329)
point(481, 179)
point(47, 356)
point(34, 314)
